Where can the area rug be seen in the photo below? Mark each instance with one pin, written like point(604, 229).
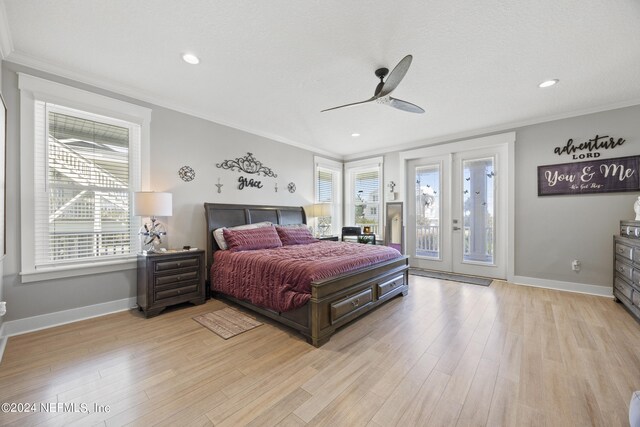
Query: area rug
point(451, 276)
point(227, 322)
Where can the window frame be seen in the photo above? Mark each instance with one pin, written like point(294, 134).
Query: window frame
point(335, 168)
point(34, 89)
point(351, 169)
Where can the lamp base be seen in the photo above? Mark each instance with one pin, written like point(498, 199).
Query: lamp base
point(151, 236)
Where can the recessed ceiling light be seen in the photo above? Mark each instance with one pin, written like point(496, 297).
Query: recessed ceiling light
point(190, 58)
point(548, 83)
point(355, 135)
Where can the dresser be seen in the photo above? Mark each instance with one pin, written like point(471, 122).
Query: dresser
point(626, 264)
point(166, 279)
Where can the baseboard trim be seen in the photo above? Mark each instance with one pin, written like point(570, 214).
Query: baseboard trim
point(581, 288)
point(49, 320)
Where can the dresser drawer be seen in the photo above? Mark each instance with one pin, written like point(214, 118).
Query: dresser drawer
point(187, 291)
point(624, 270)
point(624, 250)
point(636, 256)
point(635, 298)
point(175, 264)
point(350, 304)
point(175, 285)
point(180, 277)
point(624, 288)
point(390, 285)
point(632, 231)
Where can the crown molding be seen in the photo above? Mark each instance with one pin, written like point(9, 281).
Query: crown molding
point(506, 127)
point(25, 60)
point(6, 44)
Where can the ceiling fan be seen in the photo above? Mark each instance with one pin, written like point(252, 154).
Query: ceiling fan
point(384, 89)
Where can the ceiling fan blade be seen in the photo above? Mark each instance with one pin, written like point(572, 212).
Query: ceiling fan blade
point(396, 76)
point(404, 106)
point(350, 105)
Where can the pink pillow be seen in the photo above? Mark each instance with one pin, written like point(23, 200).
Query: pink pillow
point(295, 236)
point(248, 240)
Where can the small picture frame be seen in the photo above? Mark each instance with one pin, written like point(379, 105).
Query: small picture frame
point(367, 229)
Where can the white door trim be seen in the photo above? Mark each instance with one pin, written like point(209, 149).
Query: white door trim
point(507, 139)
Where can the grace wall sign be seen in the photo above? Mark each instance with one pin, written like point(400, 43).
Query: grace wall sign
point(596, 143)
point(594, 176)
point(247, 164)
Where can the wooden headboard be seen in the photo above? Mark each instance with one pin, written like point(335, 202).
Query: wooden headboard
point(223, 215)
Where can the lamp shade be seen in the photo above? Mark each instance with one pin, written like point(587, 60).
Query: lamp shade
point(322, 209)
point(150, 203)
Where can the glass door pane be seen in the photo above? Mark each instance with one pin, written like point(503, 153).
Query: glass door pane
point(427, 204)
point(478, 208)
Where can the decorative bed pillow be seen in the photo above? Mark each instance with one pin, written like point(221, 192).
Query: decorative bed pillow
point(295, 236)
point(252, 239)
point(305, 226)
point(218, 234)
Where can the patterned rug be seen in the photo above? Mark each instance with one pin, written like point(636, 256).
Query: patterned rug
point(451, 276)
point(227, 322)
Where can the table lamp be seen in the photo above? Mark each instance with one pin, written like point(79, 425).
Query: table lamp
point(321, 211)
point(151, 204)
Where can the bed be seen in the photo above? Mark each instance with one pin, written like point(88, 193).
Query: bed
point(333, 301)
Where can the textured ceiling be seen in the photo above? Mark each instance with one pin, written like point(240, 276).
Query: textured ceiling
point(269, 67)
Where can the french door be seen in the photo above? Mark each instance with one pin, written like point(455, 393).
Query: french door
point(457, 216)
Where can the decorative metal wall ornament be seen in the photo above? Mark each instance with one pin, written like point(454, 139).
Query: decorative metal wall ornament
point(291, 187)
point(247, 164)
point(219, 186)
point(391, 185)
point(187, 173)
point(276, 187)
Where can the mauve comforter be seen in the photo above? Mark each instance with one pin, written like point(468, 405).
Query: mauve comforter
point(280, 278)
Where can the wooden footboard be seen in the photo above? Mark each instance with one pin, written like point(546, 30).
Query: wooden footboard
point(341, 299)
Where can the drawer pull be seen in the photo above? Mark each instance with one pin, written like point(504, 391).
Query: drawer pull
point(178, 264)
point(355, 302)
point(621, 270)
point(620, 250)
point(179, 277)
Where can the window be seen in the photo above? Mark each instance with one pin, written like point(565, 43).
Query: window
point(364, 194)
point(81, 163)
point(328, 185)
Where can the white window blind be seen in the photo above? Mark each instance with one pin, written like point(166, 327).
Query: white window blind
point(328, 184)
point(86, 168)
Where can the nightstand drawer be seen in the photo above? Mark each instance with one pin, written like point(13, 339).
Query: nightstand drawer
point(175, 285)
point(351, 304)
point(181, 263)
point(170, 293)
point(181, 277)
point(388, 286)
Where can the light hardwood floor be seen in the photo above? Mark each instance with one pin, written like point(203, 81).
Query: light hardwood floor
point(448, 354)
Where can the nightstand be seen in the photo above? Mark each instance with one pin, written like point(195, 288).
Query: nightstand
point(332, 238)
point(166, 279)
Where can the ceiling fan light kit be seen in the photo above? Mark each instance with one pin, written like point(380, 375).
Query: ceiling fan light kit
point(384, 89)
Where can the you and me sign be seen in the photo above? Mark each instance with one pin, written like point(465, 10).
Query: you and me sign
point(593, 176)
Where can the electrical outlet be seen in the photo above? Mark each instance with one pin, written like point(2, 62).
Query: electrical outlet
point(3, 308)
point(575, 265)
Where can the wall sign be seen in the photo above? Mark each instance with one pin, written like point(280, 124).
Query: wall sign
point(248, 182)
point(595, 176)
point(596, 143)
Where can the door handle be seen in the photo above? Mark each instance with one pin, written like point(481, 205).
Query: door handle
point(456, 228)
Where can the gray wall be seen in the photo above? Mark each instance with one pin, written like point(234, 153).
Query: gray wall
point(176, 140)
point(551, 231)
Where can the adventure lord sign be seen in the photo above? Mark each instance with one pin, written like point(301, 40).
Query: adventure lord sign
point(595, 176)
